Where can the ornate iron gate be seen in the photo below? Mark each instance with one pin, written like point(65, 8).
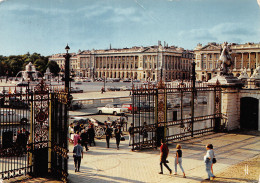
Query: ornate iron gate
point(33, 133)
point(59, 130)
point(164, 111)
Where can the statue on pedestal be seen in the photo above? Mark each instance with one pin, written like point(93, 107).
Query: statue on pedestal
point(225, 58)
point(226, 77)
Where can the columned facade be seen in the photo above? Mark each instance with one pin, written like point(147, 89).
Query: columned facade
point(137, 63)
point(244, 57)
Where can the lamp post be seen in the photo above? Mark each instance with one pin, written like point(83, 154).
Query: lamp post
point(67, 70)
point(104, 83)
point(193, 77)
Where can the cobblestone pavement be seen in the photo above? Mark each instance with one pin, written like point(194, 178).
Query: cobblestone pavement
point(233, 152)
point(101, 165)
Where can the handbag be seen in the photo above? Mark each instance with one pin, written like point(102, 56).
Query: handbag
point(214, 160)
point(122, 139)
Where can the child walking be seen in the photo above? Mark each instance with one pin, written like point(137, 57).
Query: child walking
point(178, 160)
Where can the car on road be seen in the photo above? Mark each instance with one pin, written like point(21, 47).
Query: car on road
point(130, 107)
point(125, 88)
point(16, 103)
point(75, 90)
point(22, 84)
point(78, 83)
point(113, 89)
point(114, 109)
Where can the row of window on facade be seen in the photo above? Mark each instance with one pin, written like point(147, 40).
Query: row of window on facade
point(236, 56)
point(237, 65)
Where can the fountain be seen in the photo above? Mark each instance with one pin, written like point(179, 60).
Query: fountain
point(30, 73)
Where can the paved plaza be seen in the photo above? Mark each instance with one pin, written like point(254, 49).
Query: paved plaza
point(110, 165)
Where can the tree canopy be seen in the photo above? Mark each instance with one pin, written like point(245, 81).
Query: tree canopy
point(11, 65)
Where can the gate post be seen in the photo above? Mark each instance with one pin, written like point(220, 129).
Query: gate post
point(193, 96)
point(217, 108)
point(161, 111)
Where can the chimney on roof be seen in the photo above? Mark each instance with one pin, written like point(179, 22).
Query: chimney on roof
point(110, 47)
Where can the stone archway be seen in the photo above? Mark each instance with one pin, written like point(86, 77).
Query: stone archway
point(249, 108)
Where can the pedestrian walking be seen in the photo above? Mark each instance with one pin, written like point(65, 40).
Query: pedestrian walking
point(84, 139)
point(118, 134)
point(212, 160)
point(208, 161)
point(178, 160)
point(91, 135)
point(164, 151)
point(77, 155)
point(131, 134)
point(108, 133)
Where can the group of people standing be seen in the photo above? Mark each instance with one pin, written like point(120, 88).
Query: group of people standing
point(85, 134)
point(82, 137)
point(208, 159)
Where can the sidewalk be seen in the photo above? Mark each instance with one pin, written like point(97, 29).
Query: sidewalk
point(102, 165)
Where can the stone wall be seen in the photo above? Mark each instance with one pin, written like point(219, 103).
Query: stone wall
point(231, 105)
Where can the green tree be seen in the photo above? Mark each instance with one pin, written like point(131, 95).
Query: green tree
point(54, 67)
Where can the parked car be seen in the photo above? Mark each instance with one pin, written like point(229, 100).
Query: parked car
point(87, 80)
point(130, 107)
point(114, 109)
point(16, 103)
point(113, 89)
point(78, 83)
point(11, 117)
point(116, 80)
point(75, 90)
point(201, 100)
point(127, 80)
point(125, 88)
point(75, 105)
point(22, 84)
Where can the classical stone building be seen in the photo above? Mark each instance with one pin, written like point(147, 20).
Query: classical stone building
point(142, 63)
point(245, 57)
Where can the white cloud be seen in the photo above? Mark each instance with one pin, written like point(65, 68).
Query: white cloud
point(232, 32)
point(2, 1)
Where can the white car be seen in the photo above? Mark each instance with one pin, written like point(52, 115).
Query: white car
point(114, 109)
point(10, 117)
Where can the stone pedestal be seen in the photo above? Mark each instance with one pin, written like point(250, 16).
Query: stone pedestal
point(230, 107)
point(230, 101)
point(225, 80)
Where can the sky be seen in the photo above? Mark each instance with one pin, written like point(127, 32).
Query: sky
point(46, 26)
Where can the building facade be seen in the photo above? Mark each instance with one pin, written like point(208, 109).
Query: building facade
point(138, 63)
point(244, 56)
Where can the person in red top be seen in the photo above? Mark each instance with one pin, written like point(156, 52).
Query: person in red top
point(76, 138)
point(164, 151)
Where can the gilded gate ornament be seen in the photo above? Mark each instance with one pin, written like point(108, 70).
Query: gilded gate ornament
point(41, 115)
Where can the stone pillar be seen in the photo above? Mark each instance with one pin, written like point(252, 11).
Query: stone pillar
point(230, 106)
point(249, 60)
point(235, 64)
point(242, 61)
point(257, 61)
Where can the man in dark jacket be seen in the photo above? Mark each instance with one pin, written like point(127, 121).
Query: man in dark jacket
point(84, 139)
point(91, 135)
point(118, 134)
point(108, 133)
point(131, 134)
point(164, 151)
